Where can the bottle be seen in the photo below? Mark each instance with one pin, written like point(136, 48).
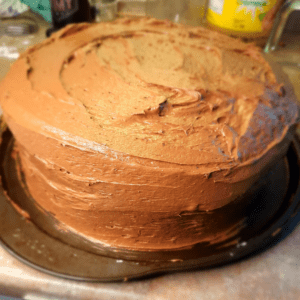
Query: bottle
point(69, 11)
point(249, 19)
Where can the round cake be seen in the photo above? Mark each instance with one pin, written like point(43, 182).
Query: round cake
point(146, 135)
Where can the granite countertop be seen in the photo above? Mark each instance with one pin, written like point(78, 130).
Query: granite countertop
point(273, 274)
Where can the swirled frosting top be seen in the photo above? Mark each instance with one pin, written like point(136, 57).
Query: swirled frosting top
point(151, 89)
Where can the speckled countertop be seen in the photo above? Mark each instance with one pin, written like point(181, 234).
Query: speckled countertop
point(273, 274)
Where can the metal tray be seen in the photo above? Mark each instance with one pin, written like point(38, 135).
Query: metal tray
point(36, 248)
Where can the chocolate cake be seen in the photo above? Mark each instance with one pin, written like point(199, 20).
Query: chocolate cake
point(146, 135)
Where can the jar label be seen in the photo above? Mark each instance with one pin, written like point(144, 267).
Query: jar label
point(241, 15)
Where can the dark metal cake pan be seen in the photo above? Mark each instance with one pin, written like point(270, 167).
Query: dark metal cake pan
point(41, 250)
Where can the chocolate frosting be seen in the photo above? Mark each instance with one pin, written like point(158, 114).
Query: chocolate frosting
point(123, 127)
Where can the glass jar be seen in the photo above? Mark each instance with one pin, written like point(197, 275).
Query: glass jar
point(250, 19)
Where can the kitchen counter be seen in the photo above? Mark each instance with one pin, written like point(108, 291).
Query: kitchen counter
point(273, 274)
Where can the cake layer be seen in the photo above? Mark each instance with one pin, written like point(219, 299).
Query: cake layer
point(138, 207)
point(150, 89)
point(145, 120)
